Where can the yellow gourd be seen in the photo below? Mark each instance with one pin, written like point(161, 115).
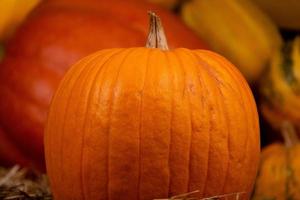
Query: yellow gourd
point(285, 13)
point(237, 29)
point(280, 87)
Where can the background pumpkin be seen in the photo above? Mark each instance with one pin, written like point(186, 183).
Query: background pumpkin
point(10, 153)
point(280, 88)
point(166, 3)
point(279, 174)
point(1, 52)
point(144, 123)
point(57, 34)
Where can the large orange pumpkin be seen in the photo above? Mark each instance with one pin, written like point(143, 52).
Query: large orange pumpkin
point(146, 123)
point(56, 35)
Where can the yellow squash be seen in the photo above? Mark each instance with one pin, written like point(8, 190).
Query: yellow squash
point(279, 174)
point(281, 86)
point(12, 12)
point(286, 13)
point(238, 29)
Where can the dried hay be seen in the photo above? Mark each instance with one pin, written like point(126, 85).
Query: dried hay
point(23, 184)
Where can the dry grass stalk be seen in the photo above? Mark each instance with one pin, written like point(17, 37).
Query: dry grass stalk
point(189, 196)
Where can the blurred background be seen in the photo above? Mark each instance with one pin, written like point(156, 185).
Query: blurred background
point(41, 39)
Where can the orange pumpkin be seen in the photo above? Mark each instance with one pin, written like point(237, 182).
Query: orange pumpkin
point(57, 34)
point(279, 174)
point(146, 123)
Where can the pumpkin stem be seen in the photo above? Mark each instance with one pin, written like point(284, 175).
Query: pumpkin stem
point(156, 36)
point(289, 134)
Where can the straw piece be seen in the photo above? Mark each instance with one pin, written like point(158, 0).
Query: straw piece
point(187, 196)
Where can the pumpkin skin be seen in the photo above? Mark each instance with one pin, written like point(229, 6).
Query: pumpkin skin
point(57, 34)
point(143, 123)
point(280, 88)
